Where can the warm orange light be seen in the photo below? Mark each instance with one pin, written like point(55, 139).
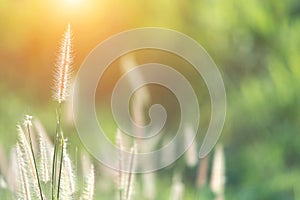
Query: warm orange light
point(73, 2)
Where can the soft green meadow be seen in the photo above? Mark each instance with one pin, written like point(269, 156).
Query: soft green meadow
point(256, 47)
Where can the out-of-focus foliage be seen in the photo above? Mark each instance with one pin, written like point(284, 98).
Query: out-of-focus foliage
point(256, 45)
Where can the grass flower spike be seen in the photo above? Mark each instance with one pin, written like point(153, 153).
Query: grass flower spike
point(88, 192)
point(217, 183)
point(28, 121)
point(25, 192)
point(26, 157)
point(63, 68)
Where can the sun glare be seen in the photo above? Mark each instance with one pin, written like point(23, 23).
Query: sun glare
point(73, 2)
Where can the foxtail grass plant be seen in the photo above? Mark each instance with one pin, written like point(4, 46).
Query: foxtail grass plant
point(88, 192)
point(50, 180)
point(46, 171)
point(125, 179)
point(129, 187)
point(177, 190)
point(60, 93)
point(27, 163)
point(34, 179)
point(217, 183)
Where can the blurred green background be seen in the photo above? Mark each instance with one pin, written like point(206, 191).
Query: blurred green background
point(255, 44)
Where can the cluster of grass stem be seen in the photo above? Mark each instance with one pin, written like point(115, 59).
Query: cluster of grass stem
point(59, 139)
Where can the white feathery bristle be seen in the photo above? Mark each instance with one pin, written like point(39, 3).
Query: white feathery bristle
point(130, 175)
point(24, 192)
point(63, 68)
point(120, 159)
point(27, 125)
point(46, 151)
point(45, 172)
point(149, 186)
point(191, 155)
point(28, 160)
point(28, 120)
point(85, 163)
point(177, 190)
point(69, 113)
point(217, 183)
point(68, 179)
point(13, 171)
point(70, 173)
point(41, 132)
point(88, 192)
point(44, 135)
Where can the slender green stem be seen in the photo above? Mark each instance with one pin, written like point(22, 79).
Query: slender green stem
point(120, 193)
point(120, 171)
point(61, 164)
point(34, 161)
point(76, 167)
point(130, 173)
point(54, 161)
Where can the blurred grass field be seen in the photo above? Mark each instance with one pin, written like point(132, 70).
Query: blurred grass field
point(255, 44)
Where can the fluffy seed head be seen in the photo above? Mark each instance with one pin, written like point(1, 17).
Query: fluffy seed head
point(63, 68)
point(217, 183)
point(177, 190)
point(68, 178)
point(28, 120)
point(44, 162)
point(88, 192)
point(25, 192)
point(27, 158)
point(191, 154)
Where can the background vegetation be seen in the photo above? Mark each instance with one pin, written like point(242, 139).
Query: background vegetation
point(255, 44)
